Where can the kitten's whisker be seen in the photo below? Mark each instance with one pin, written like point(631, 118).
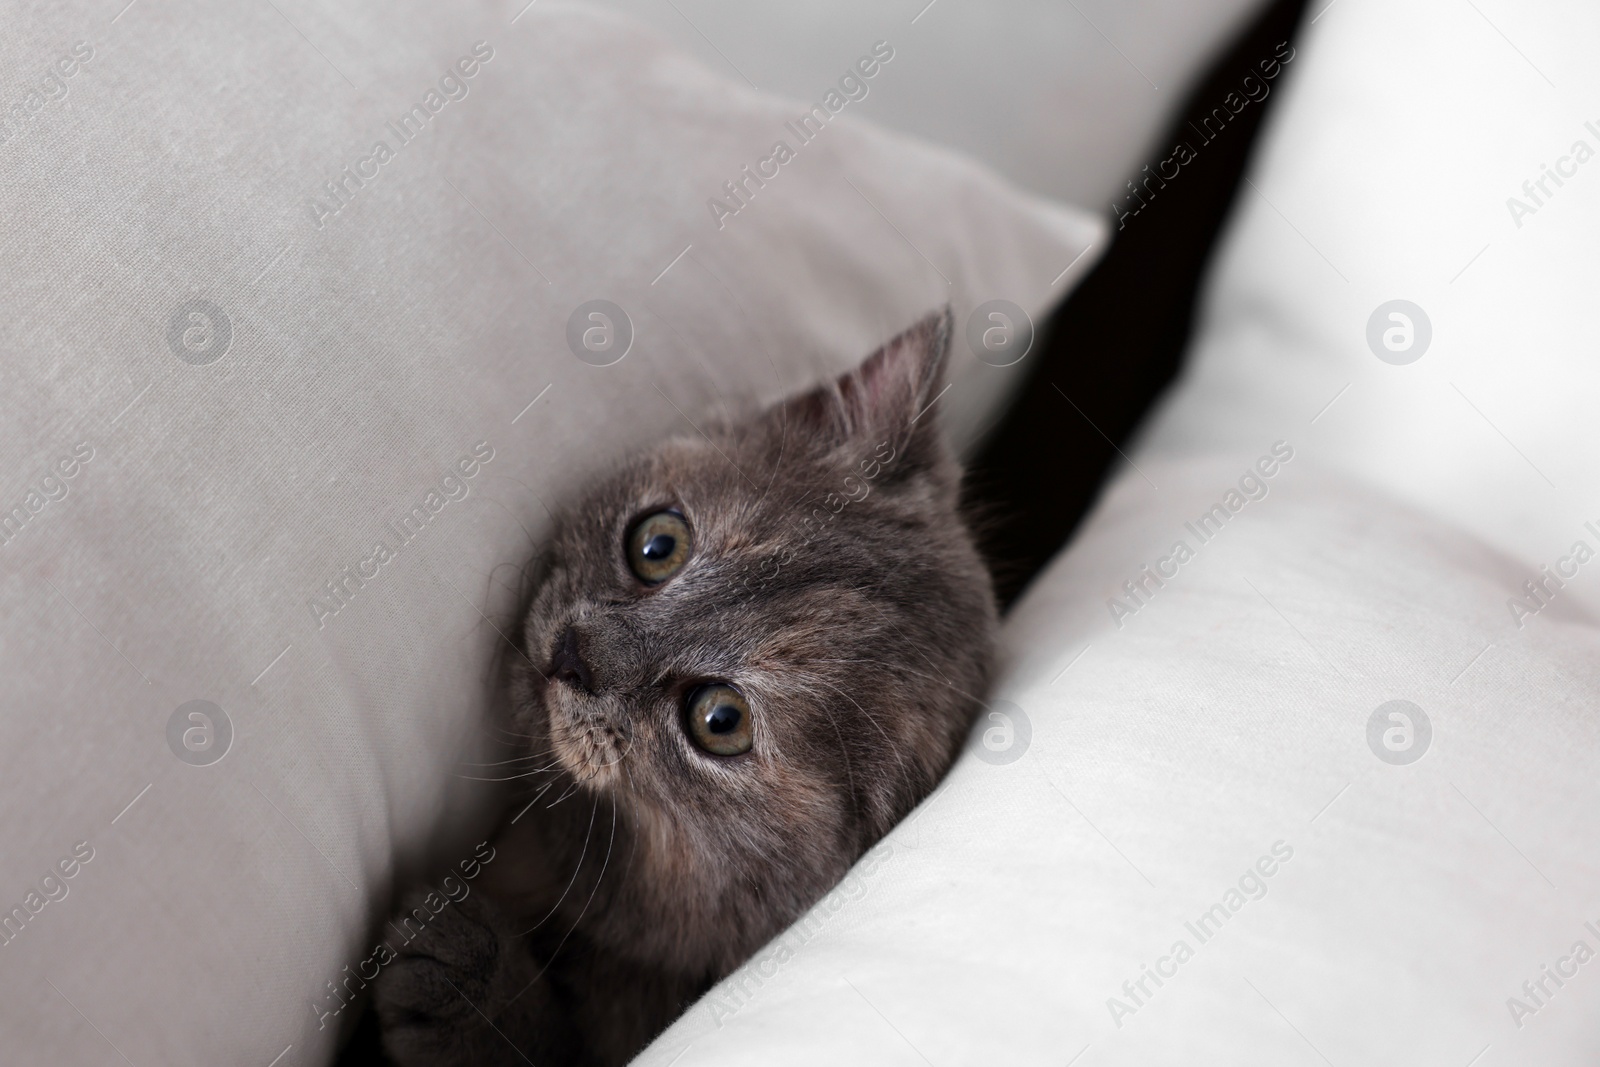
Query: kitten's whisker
point(519, 741)
point(531, 803)
point(504, 762)
point(603, 865)
point(633, 841)
point(614, 762)
point(904, 669)
point(844, 750)
point(865, 714)
point(570, 790)
point(509, 778)
point(542, 791)
point(900, 756)
point(578, 867)
point(508, 765)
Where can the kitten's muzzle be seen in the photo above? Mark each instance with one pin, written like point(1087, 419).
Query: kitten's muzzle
point(567, 664)
point(588, 733)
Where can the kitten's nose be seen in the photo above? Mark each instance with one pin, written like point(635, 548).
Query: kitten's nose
point(566, 663)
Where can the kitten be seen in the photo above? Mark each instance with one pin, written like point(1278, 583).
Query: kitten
point(750, 655)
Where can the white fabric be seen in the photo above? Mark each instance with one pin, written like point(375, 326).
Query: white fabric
point(184, 500)
point(1493, 428)
point(1174, 746)
point(1164, 760)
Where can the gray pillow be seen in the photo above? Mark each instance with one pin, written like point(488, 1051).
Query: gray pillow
point(301, 345)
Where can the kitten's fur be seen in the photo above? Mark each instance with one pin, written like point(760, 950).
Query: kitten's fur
point(649, 869)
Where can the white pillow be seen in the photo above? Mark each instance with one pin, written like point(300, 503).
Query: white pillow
point(1492, 426)
point(1170, 729)
point(220, 397)
point(1209, 774)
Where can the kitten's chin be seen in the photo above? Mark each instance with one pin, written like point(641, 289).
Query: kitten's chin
point(589, 746)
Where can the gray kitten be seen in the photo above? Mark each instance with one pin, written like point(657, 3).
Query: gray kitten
point(748, 657)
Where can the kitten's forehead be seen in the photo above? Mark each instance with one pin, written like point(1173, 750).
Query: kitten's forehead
point(735, 493)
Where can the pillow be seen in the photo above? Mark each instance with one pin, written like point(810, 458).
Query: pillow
point(315, 312)
point(1290, 811)
point(1316, 787)
point(1086, 90)
point(1481, 413)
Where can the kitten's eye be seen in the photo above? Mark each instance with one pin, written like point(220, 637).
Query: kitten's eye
point(719, 720)
point(658, 546)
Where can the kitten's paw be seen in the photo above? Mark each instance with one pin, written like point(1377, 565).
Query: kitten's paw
point(435, 999)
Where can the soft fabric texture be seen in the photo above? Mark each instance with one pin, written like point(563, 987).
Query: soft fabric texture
point(1217, 727)
point(1492, 426)
point(244, 348)
point(1065, 99)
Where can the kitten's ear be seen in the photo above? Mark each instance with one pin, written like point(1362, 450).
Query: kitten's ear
point(886, 399)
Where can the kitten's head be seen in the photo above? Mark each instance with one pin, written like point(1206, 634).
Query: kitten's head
point(752, 652)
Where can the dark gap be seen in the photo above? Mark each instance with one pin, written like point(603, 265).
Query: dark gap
point(1116, 342)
